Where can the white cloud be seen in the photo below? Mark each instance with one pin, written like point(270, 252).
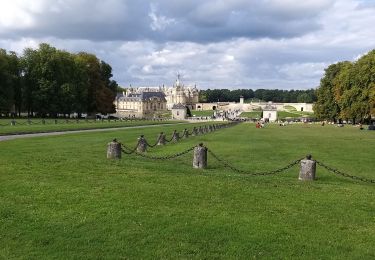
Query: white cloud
point(158, 22)
point(214, 43)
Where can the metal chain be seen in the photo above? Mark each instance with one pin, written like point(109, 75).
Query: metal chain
point(280, 170)
point(170, 140)
point(129, 149)
point(337, 172)
point(152, 145)
point(167, 156)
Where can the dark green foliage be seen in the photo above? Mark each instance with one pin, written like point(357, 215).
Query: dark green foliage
point(48, 81)
point(275, 95)
point(347, 91)
point(9, 82)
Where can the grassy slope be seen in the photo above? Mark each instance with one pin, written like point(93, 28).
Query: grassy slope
point(254, 114)
point(284, 114)
point(202, 113)
point(61, 198)
point(50, 126)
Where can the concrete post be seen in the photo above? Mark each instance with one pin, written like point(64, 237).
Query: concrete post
point(200, 157)
point(142, 144)
point(161, 139)
point(185, 134)
point(307, 170)
point(195, 131)
point(176, 136)
point(114, 150)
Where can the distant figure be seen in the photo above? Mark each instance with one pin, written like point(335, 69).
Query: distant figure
point(323, 123)
point(360, 127)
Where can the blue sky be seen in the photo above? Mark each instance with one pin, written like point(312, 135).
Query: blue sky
point(284, 44)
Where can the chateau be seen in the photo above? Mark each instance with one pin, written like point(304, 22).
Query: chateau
point(180, 94)
point(152, 101)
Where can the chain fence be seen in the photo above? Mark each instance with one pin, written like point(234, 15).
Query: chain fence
point(235, 169)
point(165, 157)
point(340, 173)
point(71, 121)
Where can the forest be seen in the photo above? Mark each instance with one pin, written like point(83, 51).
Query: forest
point(274, 95)
point(347, 91)
point(48, 82)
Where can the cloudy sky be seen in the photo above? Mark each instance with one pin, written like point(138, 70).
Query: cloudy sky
point(284, 44)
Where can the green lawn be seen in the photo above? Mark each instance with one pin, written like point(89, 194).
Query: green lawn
point(202, 113)
point(36, 126)
point(284, 114)
point(61, 198)
point(254, 114)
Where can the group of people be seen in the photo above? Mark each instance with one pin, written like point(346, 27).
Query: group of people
point(259, 125)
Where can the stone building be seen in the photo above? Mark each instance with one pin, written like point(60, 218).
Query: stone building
point(141, 101)
point(179, 111)
point(181, 94)
point(270, 112)
point(149, 104)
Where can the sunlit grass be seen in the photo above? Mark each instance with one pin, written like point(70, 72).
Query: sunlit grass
point(61, 198)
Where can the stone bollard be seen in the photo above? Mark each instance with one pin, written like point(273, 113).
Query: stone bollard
point(307, 170)
point(176, 136)
point(185, 134)
point(114, 150)
point(200, 157)
point(161, 139)
point(195, 131)
point(142, 144)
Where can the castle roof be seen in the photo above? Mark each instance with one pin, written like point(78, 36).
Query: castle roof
point(143, 96)
point(179, 106)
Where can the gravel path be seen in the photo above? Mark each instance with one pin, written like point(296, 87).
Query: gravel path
point(11, 137)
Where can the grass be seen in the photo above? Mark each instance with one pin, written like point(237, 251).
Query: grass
point(254, 114)
point(285, 114)
point(23, 127)
point(202, 113)
point(61, 198)
point(290, 108)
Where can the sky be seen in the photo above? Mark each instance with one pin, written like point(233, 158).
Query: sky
point(271, 44)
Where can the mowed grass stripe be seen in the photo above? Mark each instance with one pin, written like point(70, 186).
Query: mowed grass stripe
point(61, 198)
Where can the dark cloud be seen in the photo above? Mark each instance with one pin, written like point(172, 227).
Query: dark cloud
point(215, 43)
point(196, 21)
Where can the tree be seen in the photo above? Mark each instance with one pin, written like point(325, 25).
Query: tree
point(326, 106)
point(10, 82)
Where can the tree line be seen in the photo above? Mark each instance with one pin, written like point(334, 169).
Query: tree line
point(274, 95)
point(347, 91)
point(49, 82)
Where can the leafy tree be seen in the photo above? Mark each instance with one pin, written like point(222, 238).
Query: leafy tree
point(326, 106)
point(9, 81)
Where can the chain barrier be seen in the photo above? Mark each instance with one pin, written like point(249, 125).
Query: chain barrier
point(226, 164)
point(153, 144)
point(170, 140)
point(130, 150)
point(340, 173)
point(165, 157)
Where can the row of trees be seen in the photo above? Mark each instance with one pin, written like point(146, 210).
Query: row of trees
point(347, 91)
point(275, 95)
point(47, 82)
